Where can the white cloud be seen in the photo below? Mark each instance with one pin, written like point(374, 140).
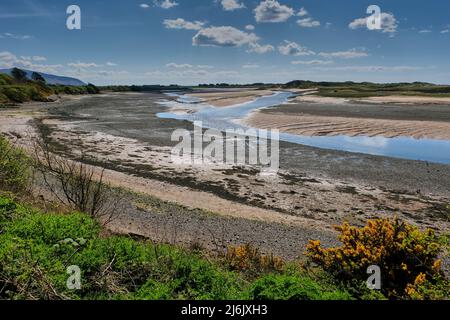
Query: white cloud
point(231, 5)
point(144, 6)
point(308, 23)
point(272, 11)
point(183, 24)
point(111, 64)
point(33, 58)
point(445, 31)
point(9, 60)
point(294, 49)
point(306, 20)
point(179, 66)
point(312, 62)
point(389, 23)
point(258, 48)
point(302, 13)
point(224, 36)
point(349, 54)
point(425, 31)
point(83, 65)
point(249, 27)
point(14, 36)
point(185, 66)
point(165, 4)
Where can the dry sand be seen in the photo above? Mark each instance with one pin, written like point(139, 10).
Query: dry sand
point(310, 125)
point(310, 115)
point(229, 98)
point(407, 100)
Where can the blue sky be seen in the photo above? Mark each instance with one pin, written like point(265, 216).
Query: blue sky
point(237, 41)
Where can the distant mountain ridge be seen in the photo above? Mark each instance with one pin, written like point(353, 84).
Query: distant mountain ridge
point(50, 78)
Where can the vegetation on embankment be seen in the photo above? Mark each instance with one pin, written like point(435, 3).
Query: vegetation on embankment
point(367, 89)
point(18, 89)
point(37, 247)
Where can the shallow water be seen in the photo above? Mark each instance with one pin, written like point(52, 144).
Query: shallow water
point(226, 118)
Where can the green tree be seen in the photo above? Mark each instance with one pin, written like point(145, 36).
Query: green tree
point(19, 74)
point(37, 77)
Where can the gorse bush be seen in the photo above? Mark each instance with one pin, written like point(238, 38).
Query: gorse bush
point(249, 259)
point(407, 257)
point(15, 173)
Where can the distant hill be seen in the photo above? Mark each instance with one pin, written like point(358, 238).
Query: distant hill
point(51, 78)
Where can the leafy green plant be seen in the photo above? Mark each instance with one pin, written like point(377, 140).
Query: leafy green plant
point(15, 171)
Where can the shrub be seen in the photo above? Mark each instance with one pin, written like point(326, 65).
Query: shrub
point(15, 170)
point(15, 94)
point(248, 258)
point(407, 257)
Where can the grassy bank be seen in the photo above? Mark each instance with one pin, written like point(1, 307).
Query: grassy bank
point(13, 91)
point(36, 249)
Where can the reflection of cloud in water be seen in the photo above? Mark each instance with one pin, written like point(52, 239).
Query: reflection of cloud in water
point(371, 142)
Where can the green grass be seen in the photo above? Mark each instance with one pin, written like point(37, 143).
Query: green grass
point(36, 248)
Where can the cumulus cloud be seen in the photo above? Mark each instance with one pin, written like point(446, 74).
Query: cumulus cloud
point(289, 48)
point(165, 4)
point(272, 11)
point(260, 49)
point(302, 13)
point(249, 27)
point(111, 64)
point(312, 62)
point(183, 24)
point(144, 6)
point(231, 5)
point(306, 20)
point(389, 23)
point(224, 36)
point(308, 23)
